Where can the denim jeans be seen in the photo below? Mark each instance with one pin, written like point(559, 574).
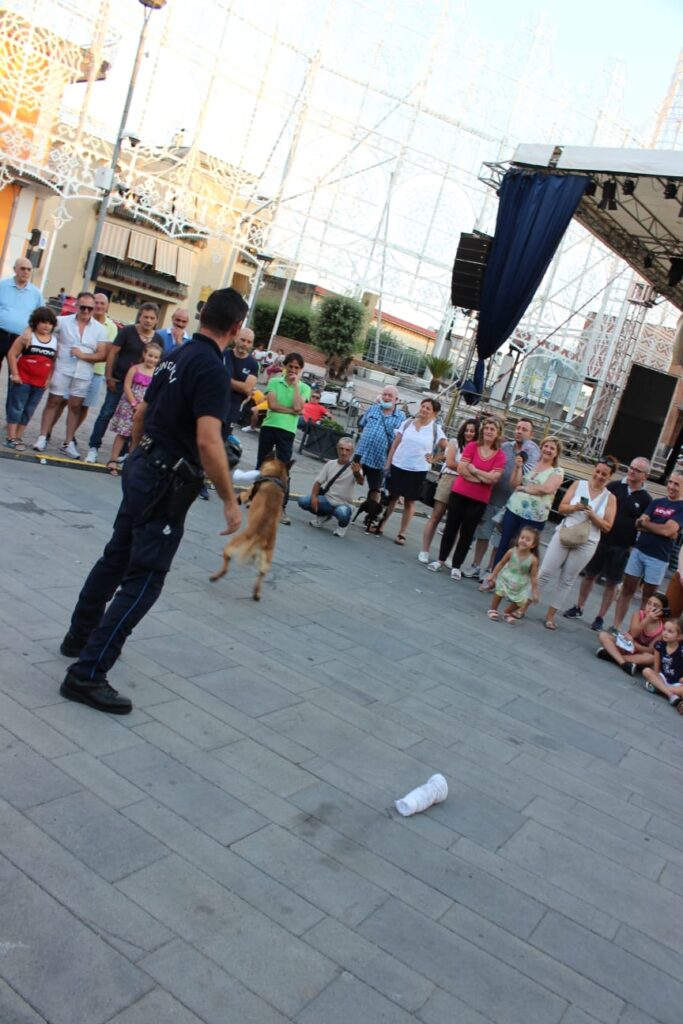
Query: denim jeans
point(22, 400)
point(342, 513)
point(111, 400)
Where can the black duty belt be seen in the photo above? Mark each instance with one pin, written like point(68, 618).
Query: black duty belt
point(169, 462)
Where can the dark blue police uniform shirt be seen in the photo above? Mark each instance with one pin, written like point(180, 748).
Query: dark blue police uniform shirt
point(191, 382)
point(239, 369)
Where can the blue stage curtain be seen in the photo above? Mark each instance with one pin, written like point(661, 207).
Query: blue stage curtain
point(533, 214)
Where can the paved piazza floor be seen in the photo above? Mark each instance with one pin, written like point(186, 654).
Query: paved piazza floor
point(229, 853)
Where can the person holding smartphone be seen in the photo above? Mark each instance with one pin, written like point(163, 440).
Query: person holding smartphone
point(286, 395)
point(586, 500)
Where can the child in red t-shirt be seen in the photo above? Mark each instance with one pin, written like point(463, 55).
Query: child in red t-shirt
point(31, 362)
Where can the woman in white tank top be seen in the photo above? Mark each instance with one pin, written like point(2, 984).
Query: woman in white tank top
point(586, 500)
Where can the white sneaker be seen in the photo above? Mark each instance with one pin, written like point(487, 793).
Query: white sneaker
point(434, 566)
point(92, 455)
point(340, 531)
point(448, 563)
point(317, 522)
point(456, 574)
point(473, 573)
point(71, 450)
point(247, 430)
point(423, 557)
point(41, 443)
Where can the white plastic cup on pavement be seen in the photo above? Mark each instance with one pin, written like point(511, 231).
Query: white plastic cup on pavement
point(434, 791)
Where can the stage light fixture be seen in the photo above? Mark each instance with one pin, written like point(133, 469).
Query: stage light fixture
point(628, 187)
point(670, 190)
point(676, 271)
point(591, 188)
point(609, 196)
point(648, 261)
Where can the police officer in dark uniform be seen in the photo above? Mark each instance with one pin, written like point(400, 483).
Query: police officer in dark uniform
point(177, 433)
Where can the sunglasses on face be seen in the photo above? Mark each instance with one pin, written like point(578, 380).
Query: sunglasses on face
point(86, 309)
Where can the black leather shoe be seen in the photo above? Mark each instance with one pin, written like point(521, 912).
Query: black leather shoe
point(71, 646)
point(100, 696)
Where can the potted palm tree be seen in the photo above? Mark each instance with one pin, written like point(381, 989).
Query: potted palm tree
point(440, 369)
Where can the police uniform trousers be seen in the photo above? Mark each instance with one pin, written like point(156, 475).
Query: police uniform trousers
point(147, 531)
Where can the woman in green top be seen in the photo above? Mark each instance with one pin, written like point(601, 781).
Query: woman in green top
point(530, 503)
point(286, 395)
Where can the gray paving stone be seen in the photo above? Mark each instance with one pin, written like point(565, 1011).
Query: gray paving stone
point(471, 974)
point(174, 653)
point(567, 730)
point(211, 992)
point(246, 689)
point(27, 779)
point(159, 735)
point(234, 873)
point(229, 931)
point(48, 971)
point(478, 817)
point(573, 907)
point(98, 734)
point(655, 953)
point(640, 854)
point(24, 681)
point(556, 977)
point(370, 964)
point(628, 977)
point(30, 728)
point(376, 869)
point(323, 880)
point(88, 897)
point(197, 726)
point(444, 872)
point(574, 1016)
point(348, 999)
point(157, 1007)
point(631, 898)
point(367, 719)
point(442, 1007)
point(265, 767)
point(197, 800)
point(98, 835)
point(100, 780)
point(14, 1010)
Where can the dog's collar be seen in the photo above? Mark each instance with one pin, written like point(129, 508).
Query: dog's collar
point(269, 480)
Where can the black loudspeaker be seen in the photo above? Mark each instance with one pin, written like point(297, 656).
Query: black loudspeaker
point(643, 408)
point(468, 270)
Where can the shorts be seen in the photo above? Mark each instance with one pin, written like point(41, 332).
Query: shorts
point(645, 567)
point(94, 390)
point(486, 525)
point(65, 385)
point(444, 486)
point(667, 682)
point(608, 561)
point(405, 483)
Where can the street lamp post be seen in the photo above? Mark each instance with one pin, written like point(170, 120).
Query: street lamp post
point(150, 6)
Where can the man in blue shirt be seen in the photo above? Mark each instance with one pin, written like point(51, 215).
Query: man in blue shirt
point(176, 334)
point(177, 437)
point(243, 370)
point(658, 526)
point(18, 299)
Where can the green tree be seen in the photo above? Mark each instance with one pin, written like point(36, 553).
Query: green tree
point(295, 322)
point(338, 332)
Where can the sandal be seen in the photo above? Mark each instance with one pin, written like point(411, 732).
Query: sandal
point(510, 618)
point(113, 467)
point(549, 624)
point(517, 615)
point(493, 615)
point(401, 539)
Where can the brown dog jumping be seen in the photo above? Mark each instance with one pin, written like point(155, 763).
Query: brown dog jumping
point(256, 542)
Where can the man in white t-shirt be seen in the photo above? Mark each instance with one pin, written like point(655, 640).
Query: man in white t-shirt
point(81, 342)
point(332, 493)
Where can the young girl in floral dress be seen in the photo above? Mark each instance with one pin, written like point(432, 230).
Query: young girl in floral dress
point(138, 379)
point(515, 577)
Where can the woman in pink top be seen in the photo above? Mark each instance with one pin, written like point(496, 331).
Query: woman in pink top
point(481, 466)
